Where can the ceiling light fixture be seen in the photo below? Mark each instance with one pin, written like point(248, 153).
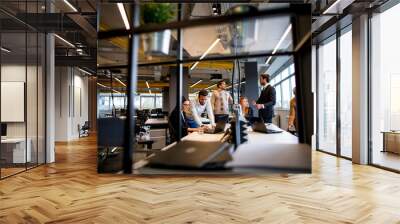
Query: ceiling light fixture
point(122, 83)
point(330, 7)
point(206, 52)
point(5, 49)
point(116, 91)
point(123, 15)
point(212, 86)
point(196, 83)
point(148, 86)
point(280, 42)
point(102, 85)
point(84, 71)
point(70, 5)
point(64, 40)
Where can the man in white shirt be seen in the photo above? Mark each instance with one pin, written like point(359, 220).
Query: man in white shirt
point(201, 105)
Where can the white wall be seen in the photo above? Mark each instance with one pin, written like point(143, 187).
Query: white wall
point(71, 102)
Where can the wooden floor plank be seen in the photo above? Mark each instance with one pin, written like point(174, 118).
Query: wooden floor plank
point(71, 191)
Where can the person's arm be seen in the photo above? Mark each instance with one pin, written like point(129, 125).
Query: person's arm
point(210, 113)
point(195, 114)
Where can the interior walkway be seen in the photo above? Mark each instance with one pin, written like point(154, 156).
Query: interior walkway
point(71, 191)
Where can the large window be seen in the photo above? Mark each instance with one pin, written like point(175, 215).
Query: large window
point(346, 94)
point(284, 82)
point(385, 89)
point(327, 96)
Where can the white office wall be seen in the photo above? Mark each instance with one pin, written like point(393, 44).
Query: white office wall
point(71, 102)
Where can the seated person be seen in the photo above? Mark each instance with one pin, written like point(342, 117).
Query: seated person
point(173, 120)
point(200, 105)
point(247, 111)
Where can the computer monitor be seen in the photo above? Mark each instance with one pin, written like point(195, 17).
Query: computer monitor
point(3, 129)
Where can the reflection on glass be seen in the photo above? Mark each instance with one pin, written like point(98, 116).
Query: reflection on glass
point(346, 94)
point(327, 97)
point(385, 86)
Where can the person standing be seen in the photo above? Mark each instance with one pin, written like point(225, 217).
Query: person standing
point(267, 99)
point(292, 114)
point(220, 101)
point(198, 107)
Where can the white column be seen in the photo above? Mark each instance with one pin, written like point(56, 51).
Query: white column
point(360, 90)
point(50, 98)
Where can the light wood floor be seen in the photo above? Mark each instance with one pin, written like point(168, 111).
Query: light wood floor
point(71, 191)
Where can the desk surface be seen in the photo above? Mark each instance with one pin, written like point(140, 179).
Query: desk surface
point(156, 121)
point(263, 152)
point(13, 140)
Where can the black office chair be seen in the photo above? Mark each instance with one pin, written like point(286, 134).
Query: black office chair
point(84, 129)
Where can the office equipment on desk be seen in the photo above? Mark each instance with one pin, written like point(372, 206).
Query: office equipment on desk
point(259, 126)
point(3, 131)
point(220, 127)
point(193, 155)
point(391, 141)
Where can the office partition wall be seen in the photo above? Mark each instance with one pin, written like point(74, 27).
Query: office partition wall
point(197, 44)
point(23, 87)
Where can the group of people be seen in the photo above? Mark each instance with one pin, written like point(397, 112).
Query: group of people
point(217, 108)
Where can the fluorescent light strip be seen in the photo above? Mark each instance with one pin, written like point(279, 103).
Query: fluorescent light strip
point(5, 50)
point(102, 85)
point(123, 15)
point(330, 7)
point(280, 42)
point(120, 81)
point(64, 40)
point(236, 85)
point(116, 91)
point(206, 52)
point(148, 86)
point(196, 83)
point(211, 86)
point(70, 5)
point(86, 72)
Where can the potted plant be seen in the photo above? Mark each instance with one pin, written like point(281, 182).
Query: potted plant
point(157, 13)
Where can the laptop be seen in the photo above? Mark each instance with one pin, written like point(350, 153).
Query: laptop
point(220, 127)
point(193, 155)
point(259, 126)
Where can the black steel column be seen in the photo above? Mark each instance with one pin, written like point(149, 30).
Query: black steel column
point(131, 89)
point(338, 100)
point(179, 71)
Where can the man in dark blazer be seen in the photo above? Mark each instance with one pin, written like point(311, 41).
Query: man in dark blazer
point(266, 102)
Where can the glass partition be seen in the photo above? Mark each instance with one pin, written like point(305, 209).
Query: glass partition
point(327, 96)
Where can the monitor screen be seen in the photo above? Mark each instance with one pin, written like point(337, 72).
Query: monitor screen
point(3, 129)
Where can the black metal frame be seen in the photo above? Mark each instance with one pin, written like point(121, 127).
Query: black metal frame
point(293, 11)
point(338, 152)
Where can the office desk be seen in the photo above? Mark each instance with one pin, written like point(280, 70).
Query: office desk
point(263, 152)
point(13, 150)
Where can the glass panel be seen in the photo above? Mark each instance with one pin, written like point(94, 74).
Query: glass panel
point(14, 154)
point(285, 73)
point(32, 98)
point(285, 94)
point(278, 96)
point(385, 84)
point(346, 94)
point(147, 102)
point(327, 97)
point(292, 84)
